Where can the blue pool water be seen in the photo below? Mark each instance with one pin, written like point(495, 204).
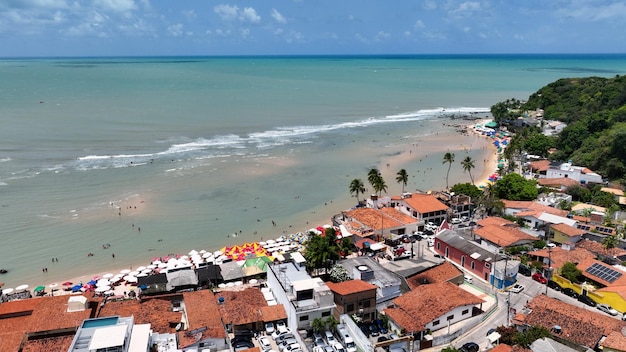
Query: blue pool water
point(100, 322)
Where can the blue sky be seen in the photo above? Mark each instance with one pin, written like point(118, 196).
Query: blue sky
point(296, 27)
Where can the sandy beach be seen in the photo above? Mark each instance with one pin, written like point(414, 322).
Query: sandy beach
point(407, 154)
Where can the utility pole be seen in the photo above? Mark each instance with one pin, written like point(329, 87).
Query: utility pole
point(549, 266)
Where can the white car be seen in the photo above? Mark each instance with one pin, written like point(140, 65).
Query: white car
point(280, 331)
point(264, 343)
point(517, 288)
point(456, 221)
point(607, 309)
point(269, 328)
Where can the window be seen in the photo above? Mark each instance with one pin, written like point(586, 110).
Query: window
point(450, 317)
point(487, 265)
point(326, 313)
point(438, 245)
point(463, 261)
point(472, 265)
point(465, 312)
point(436, 322)
point(366, 304)
point(304, 317)
point(349, 308)
point(447, 252)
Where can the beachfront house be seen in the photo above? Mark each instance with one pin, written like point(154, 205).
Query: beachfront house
point(388, 285)
point(356, 298)
point(429, 308)
point(579, 173)
point(377, 223)
point(496, 234)
point(423, 207)
point(535, 214)
point(304, 298)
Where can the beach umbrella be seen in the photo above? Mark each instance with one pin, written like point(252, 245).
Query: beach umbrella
point(115, 279)
point(39, 288)
point(133, 273)
point(103, 282)
point(131, 279)
point(53, 285)
point(92, 283)
point(193, 252)
point(21, 288)
point(207, 255)
point(7, 291)
point(67, 283)
point(202, 251)
point(125, 271)
point(141, 268)
point(151, 266)
point(109, 293)
point(102, 289)
point(76, 288)
point(107, 276)
point(142, 275)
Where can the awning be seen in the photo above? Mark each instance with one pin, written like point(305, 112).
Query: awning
point(377, 246)
point(344, 231)
point(494, 337)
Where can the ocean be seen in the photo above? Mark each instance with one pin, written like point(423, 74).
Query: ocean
point(144, 157)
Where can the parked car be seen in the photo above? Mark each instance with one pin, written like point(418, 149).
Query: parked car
point(464, 219)
point(524, 270)
point(291, 348)
point(468, 279)
point(607, 309)
point(328, 348)
point(286, 343)
point(280, 324)
point(240, 344)
point(382, 338)
point(470, 347)
point(517, 288)
point(373, 329)
point(338, 347)
point(553, 285)
point(319, 342)
point(269, 328)
point(456, 221)
point(539, 278)
point(279, 332)
point(284, 337)
point(569, 292)
point(587, 300)
point(365, 329)
point(330, 338)
point(264, 343)
point(381, 327)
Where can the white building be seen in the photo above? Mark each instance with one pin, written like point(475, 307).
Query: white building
point(578, 173)
point(304, 298)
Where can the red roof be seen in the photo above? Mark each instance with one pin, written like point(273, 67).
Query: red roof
point(568, 230)
point(446, 271)
point(425, 203)
point(349, 287)
point(504, 236)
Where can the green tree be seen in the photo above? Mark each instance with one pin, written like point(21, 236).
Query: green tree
point(402, 177)
point(449, 349)
point(372, 176)
point(610, 242)
point(357, 187)
point(448, 158)
point(570, 271)
point(345, 246)
point(526, 338)
point(332, 323)
point(338, 274)
point(375, 179)
point(318, 324)
point(514, 186)
point(579, 193)
point(467, 189)
point(380, 186)
point(321, 252)
point(468, 165)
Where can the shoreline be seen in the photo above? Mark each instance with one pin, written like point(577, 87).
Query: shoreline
point(407, 153)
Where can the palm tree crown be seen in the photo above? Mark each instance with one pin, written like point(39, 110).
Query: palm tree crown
point(448, 158)
point(468, 165)
point(357, 187)
point(402, 177)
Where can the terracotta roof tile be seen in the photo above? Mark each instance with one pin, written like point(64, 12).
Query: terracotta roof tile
point(349, 287)
point(540, 165)
point(504, 236)
point(201, 307)
point(373, 218)
point(580, 325)
point(156, 311)
point(615, 341)
point(399, 216)
point(530, 205)
point(414, 309)
point(584, 265)
point(568, 230)
point(273, 313)
point(614, 191)
point(440, 273)
point(560, 256)
point(49, 344)
point(494, 220)
point(242, 307)
point(425, 203)
point(558, 182)
point(503, 347)
point(598, 249)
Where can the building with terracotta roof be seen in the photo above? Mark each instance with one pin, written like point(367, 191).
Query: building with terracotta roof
point(444, 272)
point(565, 234)
point(374, 222)
point(496, 237)
point(247, 310)
point(304, 298)
point(579, 325)
point(614, 342)
point(615, 254)
point(579, 173)
point(423, 207)
point(356, 297)
point(515, 206)
point(388, 285)
point(535, 214)
point(432, 307)
point(44, 321)
point(470, 255)
point(540, 166)
point(559, 184)
point(557, 256)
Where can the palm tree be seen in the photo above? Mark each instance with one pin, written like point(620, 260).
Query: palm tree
point(402, 177)
point(468, 165)
point(380, 186)
point(357, 187)
point(609, 242)
point(318, 325)
point(332, 323)
point(372, 176)
point(448, 158)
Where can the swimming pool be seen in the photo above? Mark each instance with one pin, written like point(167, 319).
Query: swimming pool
point(95, 323)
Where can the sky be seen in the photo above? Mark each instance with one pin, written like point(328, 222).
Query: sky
point(309, 27)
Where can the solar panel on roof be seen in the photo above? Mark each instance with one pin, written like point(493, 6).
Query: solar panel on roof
point(603, 272)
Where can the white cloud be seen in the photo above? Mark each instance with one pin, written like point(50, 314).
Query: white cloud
point(278, 31)
point(465, 9)
point(595, 12)
point(190, 14)
point(467, 29)
point(226, 12)
point(407, 33)
point(245, 33)
point(419, 24)
point(121, 6)
point(278, 17)
point(249, 14)
point(382, 35)
point(223, 32)
point(175, 30)
point(429, 5)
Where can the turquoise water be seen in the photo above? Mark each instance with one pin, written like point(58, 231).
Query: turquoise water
point(194, 150)
point(96, 323)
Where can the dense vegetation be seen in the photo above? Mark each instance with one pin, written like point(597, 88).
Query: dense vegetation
point(594, 110)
